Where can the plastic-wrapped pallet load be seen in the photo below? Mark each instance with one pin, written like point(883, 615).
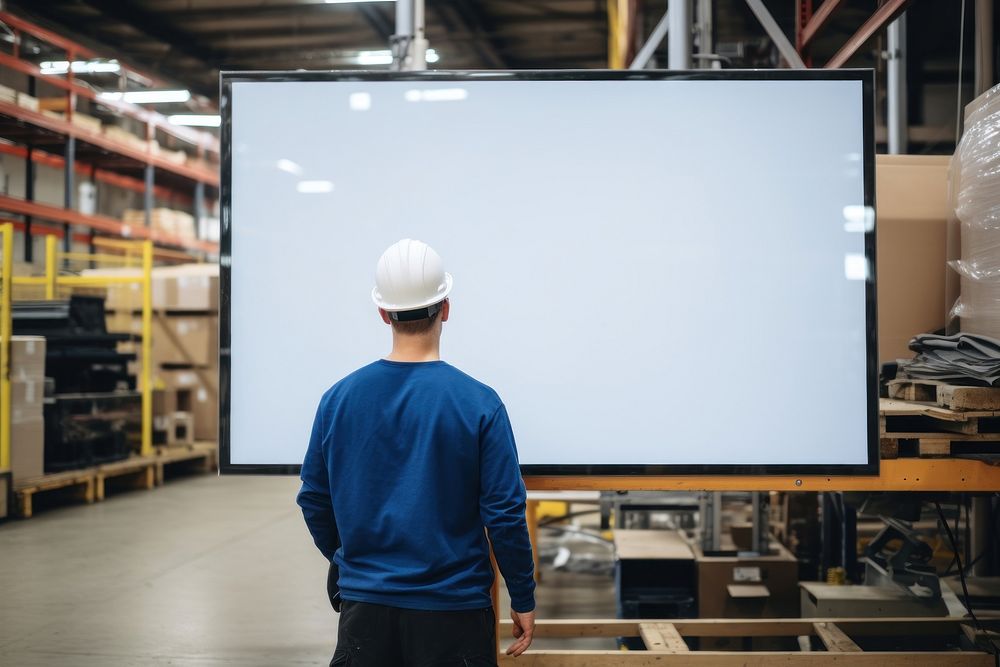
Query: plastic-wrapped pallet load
point(977, 207)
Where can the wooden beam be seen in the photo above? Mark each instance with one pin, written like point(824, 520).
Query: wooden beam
point(896, 475)
point(745, 659)
point(662, 638)
point(749, 627)
point(834, 639)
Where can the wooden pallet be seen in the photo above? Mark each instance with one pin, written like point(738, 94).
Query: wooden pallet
point(828, 642)
point(923, 429)
point(203, 454)
point(946, 395)
point(82, 481)
point(139, 471)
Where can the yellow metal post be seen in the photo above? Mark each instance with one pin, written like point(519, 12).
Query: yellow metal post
point(147, 348)
point(6, 330)
point(51, 268)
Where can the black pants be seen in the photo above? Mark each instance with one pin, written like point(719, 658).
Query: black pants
point(372, 635)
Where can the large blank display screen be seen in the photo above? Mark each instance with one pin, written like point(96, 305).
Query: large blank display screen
point(661, 273)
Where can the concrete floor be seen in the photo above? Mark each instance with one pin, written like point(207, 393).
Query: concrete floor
point(202, 571)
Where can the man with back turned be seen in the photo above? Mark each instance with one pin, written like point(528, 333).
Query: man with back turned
point(409, 461)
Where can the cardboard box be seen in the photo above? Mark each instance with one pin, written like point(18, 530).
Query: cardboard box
point(912, 211)
point(195, 391)
point(27, 448)
point(27, 358)
point(26, 399)
point(127, 297)
point(189, 339)
point(726, 585)
point(27, 101)
point(192, 287)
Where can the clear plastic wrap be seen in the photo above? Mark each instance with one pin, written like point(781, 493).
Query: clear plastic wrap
point(977, 206)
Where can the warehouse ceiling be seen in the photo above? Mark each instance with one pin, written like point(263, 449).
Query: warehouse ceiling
point(189, 41)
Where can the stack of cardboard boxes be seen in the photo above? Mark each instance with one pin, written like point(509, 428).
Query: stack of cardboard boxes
point(185, 338)
point(27, 387)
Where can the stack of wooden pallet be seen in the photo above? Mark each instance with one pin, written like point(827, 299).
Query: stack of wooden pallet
point(926, 418)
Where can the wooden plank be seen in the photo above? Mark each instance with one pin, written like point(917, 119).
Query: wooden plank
point(910, 408)
point(548, 658)
point(662, 638)
point(834, 639)
point(896, 475)
point(651, 544)
point(750, 627)
point(955, 397)
point(934, 447)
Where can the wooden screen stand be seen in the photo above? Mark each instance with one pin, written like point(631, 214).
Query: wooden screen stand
point(829, 640)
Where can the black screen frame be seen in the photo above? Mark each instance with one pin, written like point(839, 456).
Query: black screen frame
point(864, 76)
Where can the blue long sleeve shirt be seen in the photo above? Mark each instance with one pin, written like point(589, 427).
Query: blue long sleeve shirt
point(406, 466)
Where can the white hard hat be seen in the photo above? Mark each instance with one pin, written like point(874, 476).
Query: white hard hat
point(410, 277)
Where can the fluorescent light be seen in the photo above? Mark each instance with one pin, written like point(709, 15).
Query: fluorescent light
point(314, 187)
point(382, 57)
point(79, 66)
point(195, 120)
point(289, 166)
point(436, 95)
point(149, 96)
point(360, 101)
point(345, 2)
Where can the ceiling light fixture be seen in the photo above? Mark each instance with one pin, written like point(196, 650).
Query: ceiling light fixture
point(195, 120)
point(149, 96)
point(78, 66)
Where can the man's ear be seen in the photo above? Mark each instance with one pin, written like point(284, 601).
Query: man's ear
point(445, 310)
point(385, 315)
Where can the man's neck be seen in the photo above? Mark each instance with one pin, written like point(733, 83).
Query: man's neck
point(415, 348)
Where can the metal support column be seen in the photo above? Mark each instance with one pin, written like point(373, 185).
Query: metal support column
point(199, 207)
point(147, 196)
point(981, 545)
point(897, 117)
point(409, 46)
point(6, 329)
point(705, 32)
point(29, 196)
point(146, 367)
point(711, 521)
point(761, 522)
point(29, 183)
point(986, 48)
point(679, 28)
point(69, 185)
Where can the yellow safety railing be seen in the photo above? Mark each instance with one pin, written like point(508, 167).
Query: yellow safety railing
point(137, 254)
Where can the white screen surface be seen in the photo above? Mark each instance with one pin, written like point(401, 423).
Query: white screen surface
point(652, 272)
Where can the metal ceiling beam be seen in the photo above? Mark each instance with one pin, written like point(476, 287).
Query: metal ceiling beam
point(460, 15)
point(52, 16)
point(777, 36)
point(819, 19)
point(884, 15)
point(155, 26)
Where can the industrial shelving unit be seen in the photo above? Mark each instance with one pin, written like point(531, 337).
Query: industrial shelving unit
point(58, 142)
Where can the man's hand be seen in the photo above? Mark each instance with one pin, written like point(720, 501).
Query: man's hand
point(524, 630)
